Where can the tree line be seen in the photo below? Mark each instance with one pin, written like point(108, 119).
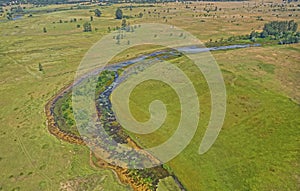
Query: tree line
point(48, 2)
point(41, 2)
point(87, 27)
point(283, 31)
point(274, 32)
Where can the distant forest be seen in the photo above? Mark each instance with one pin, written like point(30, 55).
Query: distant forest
point(45, 2)
point(41, 2)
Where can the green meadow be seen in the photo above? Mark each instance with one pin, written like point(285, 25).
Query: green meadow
point(258, 147)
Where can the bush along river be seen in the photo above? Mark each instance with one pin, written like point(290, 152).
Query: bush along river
point(61, 123)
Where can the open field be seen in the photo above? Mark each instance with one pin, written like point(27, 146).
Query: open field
point(258, 147)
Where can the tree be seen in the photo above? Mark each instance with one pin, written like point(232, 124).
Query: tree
point(264, 34)
point(40, 67)
point(253, 34)
point(119, 14)
point(87, 27)
point(118, 39)
point(292, 26)
point(124, 24)
point(97, 13)
point(284, 31)
point(279, 28)
point(9, 16)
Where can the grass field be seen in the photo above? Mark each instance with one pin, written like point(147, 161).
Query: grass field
point(257, 149)
point(32, 159)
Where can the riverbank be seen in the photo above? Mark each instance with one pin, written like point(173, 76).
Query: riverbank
point(71, 138)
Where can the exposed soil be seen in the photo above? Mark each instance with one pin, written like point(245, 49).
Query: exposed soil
point(52, 124)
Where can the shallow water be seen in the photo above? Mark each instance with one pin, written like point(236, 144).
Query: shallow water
point(194, 49)
point(16, 17)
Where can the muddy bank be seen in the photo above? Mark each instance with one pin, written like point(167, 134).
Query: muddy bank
point(52, 125)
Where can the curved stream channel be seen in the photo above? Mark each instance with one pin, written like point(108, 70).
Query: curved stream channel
point(103, 99)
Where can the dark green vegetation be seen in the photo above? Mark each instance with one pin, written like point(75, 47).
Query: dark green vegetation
point(87, 27)
point(119, 14)
point(283, 31)
point(150, 176)
point(274, 32)
point(98, 13)
point(64, 117)
point(63, 111)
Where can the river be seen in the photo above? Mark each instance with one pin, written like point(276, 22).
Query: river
point(104, 97)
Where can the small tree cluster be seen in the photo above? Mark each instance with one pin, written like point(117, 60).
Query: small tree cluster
point(87, 27)
point(284, 31)
point(279, 28)
point(98, 13)
point(119, 14)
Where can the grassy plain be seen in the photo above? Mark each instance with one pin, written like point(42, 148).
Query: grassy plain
point(258, 148)
point(30, 158)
